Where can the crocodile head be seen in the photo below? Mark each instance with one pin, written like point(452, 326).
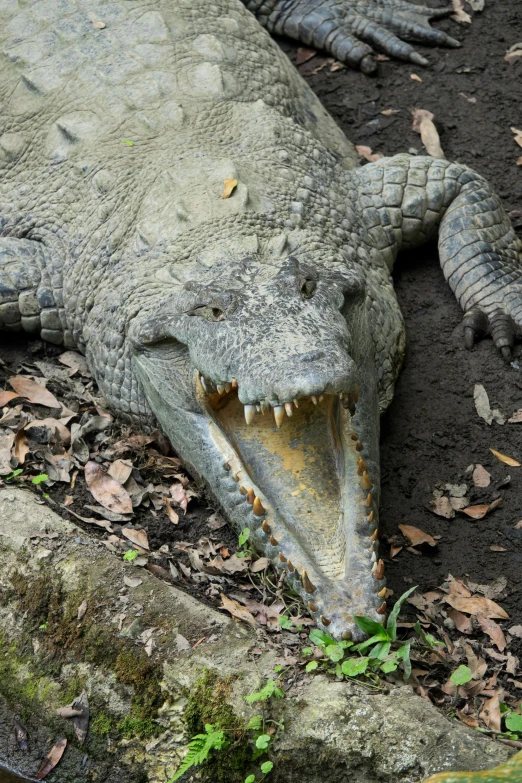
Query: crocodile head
point(265, 385)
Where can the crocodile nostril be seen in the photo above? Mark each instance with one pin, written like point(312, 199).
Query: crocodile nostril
point(313, 356)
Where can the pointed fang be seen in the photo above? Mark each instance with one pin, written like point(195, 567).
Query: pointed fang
point(307, 584)
point(325, 620)
point(273, 541)
point(296, 403)
point(291, 566)
point(257, 508)
point(371, 516)
point(220, 388)
point(250, 412)
point(382, 608)
point(266, 527)
point(358, 446)
point(279, 415)
point(250, 496)
point(361, 466)
point(234, 383)
point(378, 570)
point(382, 593)
point(373, 536)
point(366, 481)
point(313, 607)
point(356, 395)
point(314, 399)
point(289, 409)
point(369, 500)
point(243, 490)
point(282, 558)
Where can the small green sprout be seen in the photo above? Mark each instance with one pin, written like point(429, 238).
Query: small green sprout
point(40, 478)
point(130, 555)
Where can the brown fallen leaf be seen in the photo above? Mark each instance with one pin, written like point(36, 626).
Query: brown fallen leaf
point(516, 418)
point(337, 66)
point(459, 15)
point(237, 611)
point(260, 564)
point(367, 154)
point(177, 493)
point(138, 537)
point(480, 511)
point(229, 185)
point(469, 720)
point(76, 362)
point(52, 759)
point(120, 470)
point(174, 518)
point(415, 78)
point(490, 713)
point(423, 124)
point(467, 97)
point(513, 53)
point(442, 507)
point(476, 605)
point(304, 54)
point(417, 536)
point(232, 565)
point(89, 520)
point(33, 391)
point(21, 446)
point(506, 460)
point(481, 477)
point(389, 112)
point(53, 425)
point(7, 396)
point(462, 623)
point(394, 550)
point(483, 408)
point(82, 609)
point(516, 630)
point(497, 548)
point(106, 490)
point(518, 136)
point(132, 581)
point(494, 631)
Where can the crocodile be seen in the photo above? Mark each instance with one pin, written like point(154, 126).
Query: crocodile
point(176, 204)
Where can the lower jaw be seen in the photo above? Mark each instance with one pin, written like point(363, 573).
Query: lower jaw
point(308, 494)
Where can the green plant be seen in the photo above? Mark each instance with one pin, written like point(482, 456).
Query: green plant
point(200, 747)
point(13, 474)
point(40, 478)
point(461, 675)
point(131, 554)
point(269, 690)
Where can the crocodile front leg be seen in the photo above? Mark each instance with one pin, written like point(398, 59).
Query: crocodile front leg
point(348, 29)
point(405, 200)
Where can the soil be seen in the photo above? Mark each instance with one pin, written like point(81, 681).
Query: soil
point(431, 433)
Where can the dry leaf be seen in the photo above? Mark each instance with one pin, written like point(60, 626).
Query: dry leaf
point(490, 713)
point(177, 493)
point(7, 396)
point(33, 391)
point(462, 623)
point(132, 581)
point(517, 139)
point(82, 609)
point(21, 447)
point(481, 477)
point(237, 611)
point(476, 605)
point(467, 97)
point(423, 124)
point(6, 444)
point(260, 564)
point(513, 53)
point(469, 720)
point(76, 362)
point(442, 507)
point(304, 54)
point(334, 67)
point(415, 78)
point(390, 112)
point(394, 550)
point(516, 418)
point(516, 630)
point(52, 759)
point(494, 631)
point(53, 425)
point(229, 185)
point(480, 511)
point(367, 154)
point(174, 518)
point(506, 460)
point(99, 25)
point(477, 5)
point(496, 548)
point(417, 536)
point(120, 470)
point(459, 15)
point(106, 490)
point(483, 408)
point(138, 537)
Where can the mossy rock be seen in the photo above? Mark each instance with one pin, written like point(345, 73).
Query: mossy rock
point(510, 772)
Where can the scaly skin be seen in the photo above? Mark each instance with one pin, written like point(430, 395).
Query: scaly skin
point(196, 310)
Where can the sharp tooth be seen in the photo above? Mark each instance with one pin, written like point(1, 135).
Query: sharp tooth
point(282, 558)
point(258, 408)
point(382, 608)
point(204, 384)
point(369, 500)
point(356, 395)
point(373, 536)
point(220, 388)
point(325, 620)
point(321, 398)
point(314, 399)
point(273, 541)
point(307, 584)
point(257, 508)
point(313, 607)
point(288, 408)
point(358, 446)
point(371, 516)
point(263, 407)
point(366, 481)
point(235, 476)
point(361, 466)
point(250, 496)
point(279, 415)
point(378, 570)
point(291, 566)
point(250, 412)
point(296, 403)
point(382, 593)
point(243, 490)
point(228, 386)
point(266, 527)
point(374, 557)
point(233, 383)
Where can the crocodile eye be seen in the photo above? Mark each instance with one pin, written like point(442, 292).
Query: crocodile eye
point(217, 313)
point(307, 288)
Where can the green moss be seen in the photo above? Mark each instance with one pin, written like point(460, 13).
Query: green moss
point(144, 728)
point(207, 703)
point(101, 725)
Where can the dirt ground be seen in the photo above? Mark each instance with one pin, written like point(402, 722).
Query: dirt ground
point(432, 432)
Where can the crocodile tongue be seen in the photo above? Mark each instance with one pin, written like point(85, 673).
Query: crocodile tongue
point(307, 490)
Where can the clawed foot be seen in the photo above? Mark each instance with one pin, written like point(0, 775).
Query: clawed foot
point(351, 29)
point(501, 326)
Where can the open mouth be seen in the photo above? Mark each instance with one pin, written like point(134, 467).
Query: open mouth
point(301, 478)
